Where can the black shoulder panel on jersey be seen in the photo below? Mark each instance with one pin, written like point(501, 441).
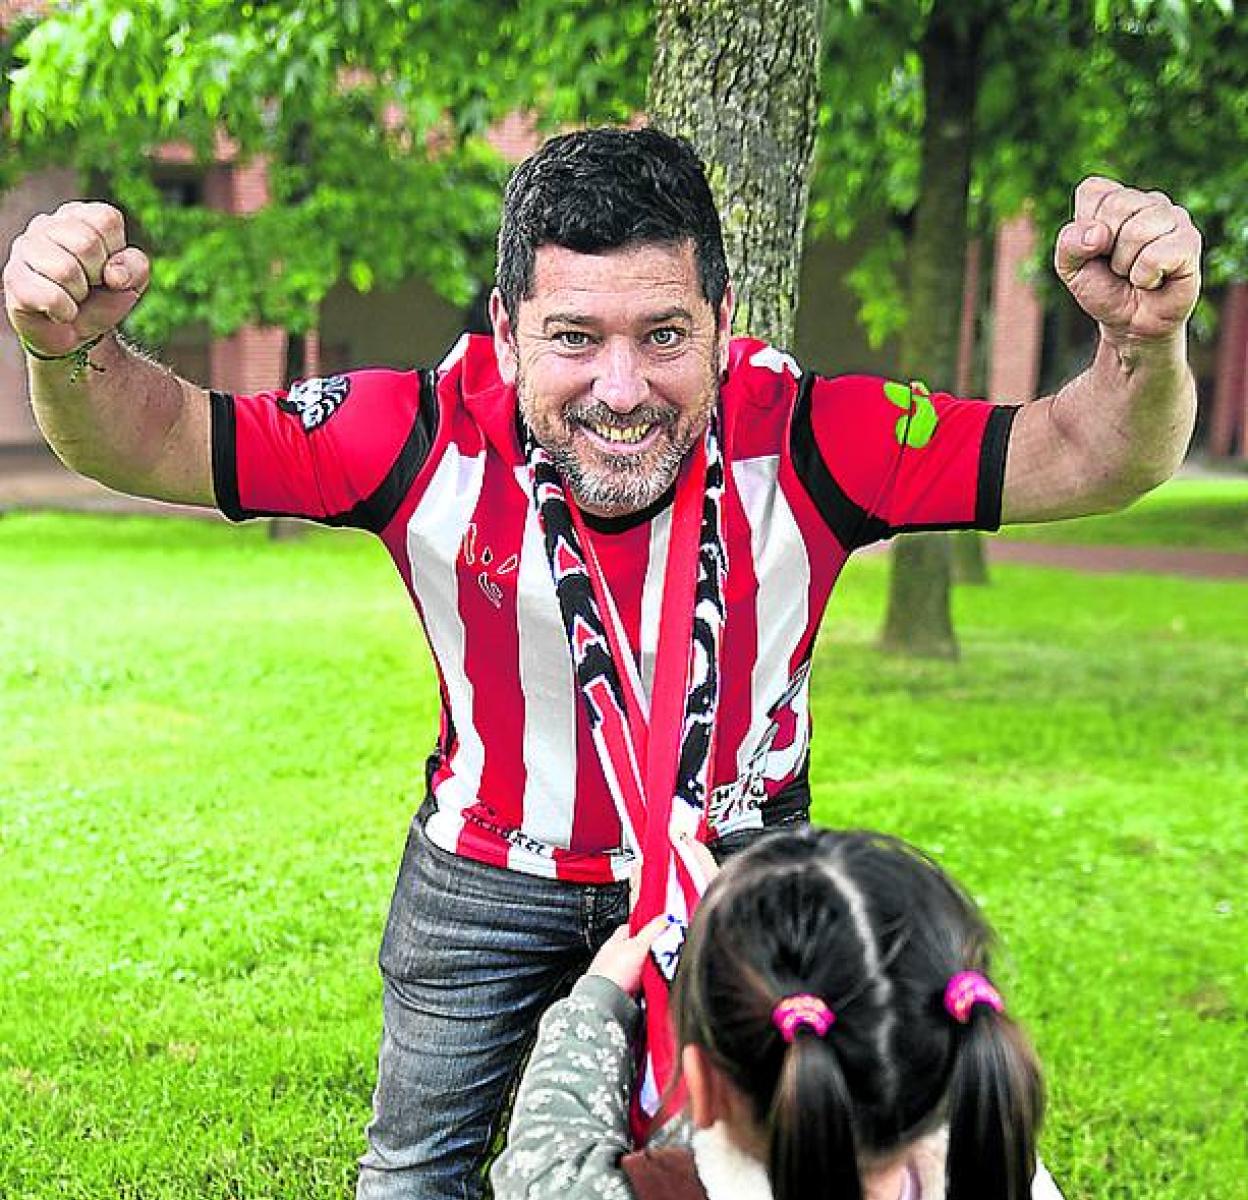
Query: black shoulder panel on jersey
point(224, 472)
point(850, 523)
point(375, 512)
point(992, 467)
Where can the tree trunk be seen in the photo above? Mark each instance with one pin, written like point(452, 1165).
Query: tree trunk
point(918, 620)
point(968, 561)
point(1228, 424)
point(739, 79)
point(970, 564)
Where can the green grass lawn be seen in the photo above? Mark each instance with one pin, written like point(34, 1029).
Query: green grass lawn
point(212, 746)
point(1197, 513)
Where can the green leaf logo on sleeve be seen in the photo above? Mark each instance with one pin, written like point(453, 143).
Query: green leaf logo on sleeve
point(915, 429)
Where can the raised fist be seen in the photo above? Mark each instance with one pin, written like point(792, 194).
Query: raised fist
point(71, 277)
point(1131, 259)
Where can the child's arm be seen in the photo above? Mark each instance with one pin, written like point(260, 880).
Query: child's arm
point(569, 1127)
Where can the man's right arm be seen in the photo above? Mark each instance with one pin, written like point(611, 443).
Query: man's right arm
point(116, 415)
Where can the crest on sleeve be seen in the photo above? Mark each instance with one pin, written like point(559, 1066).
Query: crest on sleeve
point(777, 361)
point(915, 429)
point(314, 401)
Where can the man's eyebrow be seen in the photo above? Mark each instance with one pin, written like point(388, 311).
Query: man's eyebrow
point(565, 318)
point(675, 313)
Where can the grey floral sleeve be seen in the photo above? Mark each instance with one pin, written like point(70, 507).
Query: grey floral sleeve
point(569, 1126)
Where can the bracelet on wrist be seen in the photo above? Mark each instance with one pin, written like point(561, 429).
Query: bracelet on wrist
point(78, 358)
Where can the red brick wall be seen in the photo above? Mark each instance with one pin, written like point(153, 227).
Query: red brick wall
point(11, 9)
point(1018, 319)
point(254, 358)
point(249, 186)
point(1228, 432)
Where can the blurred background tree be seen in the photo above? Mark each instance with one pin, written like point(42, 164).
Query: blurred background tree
point(369, 114)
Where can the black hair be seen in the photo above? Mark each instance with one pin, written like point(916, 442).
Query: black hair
point(875, 929)
point(603, 189)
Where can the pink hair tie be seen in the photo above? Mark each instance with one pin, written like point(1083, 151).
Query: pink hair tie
point(967, 989)
point(791, 1013)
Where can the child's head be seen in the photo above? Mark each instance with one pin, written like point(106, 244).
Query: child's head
point(874, 932)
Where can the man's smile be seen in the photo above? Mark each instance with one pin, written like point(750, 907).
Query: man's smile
point(617, 439)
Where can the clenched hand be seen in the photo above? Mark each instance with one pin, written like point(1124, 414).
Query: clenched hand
point(71, 277)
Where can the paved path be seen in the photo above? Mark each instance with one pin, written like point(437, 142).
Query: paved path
point(33, 479)
point(1155, 560)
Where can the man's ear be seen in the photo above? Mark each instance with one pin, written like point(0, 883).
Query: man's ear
point(705, 1085)
point(504, 338)
point(723, 326)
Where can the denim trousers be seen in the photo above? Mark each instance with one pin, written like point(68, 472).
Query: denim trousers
point(471, 957)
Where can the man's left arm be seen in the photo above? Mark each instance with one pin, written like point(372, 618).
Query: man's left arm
point(1131, 260)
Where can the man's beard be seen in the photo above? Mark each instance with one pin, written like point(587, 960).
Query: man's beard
point(625, 483)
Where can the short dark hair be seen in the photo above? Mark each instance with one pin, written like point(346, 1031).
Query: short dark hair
point(874, 928)
point(603, 189)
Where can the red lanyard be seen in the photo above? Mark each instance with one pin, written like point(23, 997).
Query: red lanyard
point(656, 741)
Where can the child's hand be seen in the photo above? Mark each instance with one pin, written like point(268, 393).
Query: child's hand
point(701, 854)
point(622, 957)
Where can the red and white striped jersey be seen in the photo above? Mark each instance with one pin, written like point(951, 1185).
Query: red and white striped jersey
point(432, 462)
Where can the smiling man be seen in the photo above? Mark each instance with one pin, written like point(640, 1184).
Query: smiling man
point(558, 495)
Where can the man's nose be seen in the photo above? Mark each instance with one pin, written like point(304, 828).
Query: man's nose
point(620, 381)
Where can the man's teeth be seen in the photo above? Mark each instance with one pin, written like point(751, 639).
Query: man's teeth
point(627, 435)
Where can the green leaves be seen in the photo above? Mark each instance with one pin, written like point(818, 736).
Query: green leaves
point(878, 284)
point(119, 27)
point(371, 115)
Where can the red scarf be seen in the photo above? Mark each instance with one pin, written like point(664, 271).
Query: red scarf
point(656, 752)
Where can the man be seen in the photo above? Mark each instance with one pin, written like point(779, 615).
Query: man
point(539, 492)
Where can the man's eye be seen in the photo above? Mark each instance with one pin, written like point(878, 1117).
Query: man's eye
point(573, 339)
point(666, 337)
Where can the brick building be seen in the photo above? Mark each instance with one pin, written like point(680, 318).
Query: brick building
point(1026, 349)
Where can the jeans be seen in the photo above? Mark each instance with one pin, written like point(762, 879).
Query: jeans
point(471, 957)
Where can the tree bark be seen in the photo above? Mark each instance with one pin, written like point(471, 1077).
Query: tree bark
point(968, 561)
point(739, 79)
point(970, 565)
point(918, 621)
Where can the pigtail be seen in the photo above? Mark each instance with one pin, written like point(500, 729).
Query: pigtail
point(996, 1103)
point(811, 1148)
point(836, 980)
